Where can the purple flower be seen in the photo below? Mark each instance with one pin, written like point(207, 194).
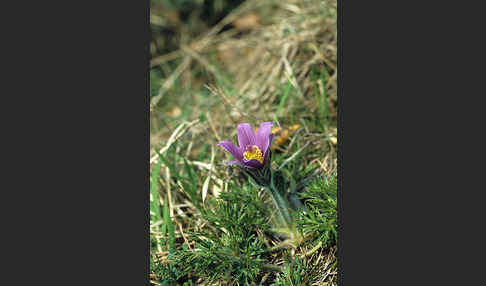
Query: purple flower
point(253, 146)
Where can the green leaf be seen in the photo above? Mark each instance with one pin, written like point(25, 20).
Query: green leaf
point(170, 226)
point(154, 191)
point(284, 98)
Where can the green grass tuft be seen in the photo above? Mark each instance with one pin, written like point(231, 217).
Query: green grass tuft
point(320, 219)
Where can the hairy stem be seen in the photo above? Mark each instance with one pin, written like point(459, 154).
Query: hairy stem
point(280, 205)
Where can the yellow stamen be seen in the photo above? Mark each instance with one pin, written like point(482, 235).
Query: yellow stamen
point(253, 152)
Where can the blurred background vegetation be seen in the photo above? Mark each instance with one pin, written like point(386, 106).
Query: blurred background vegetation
point(213, 65)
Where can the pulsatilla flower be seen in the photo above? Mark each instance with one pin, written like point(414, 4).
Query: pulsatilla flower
point(253, 150)
point(253, 157)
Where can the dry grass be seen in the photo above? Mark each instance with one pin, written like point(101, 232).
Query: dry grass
point(288, 39)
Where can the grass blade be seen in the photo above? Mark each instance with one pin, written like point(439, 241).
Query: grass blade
point(155, 213)
point(170, 226)
point(284, 98)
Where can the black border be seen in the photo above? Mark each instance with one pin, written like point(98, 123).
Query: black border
point(146, 140)
point(340, 175)
point(407, 207)
point(82, 143)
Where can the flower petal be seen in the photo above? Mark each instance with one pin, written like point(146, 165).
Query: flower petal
point(270, 140)
point(246, 136)
point(253, 163)
point(235, 162)
point(232, 149)
point(262, 136)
